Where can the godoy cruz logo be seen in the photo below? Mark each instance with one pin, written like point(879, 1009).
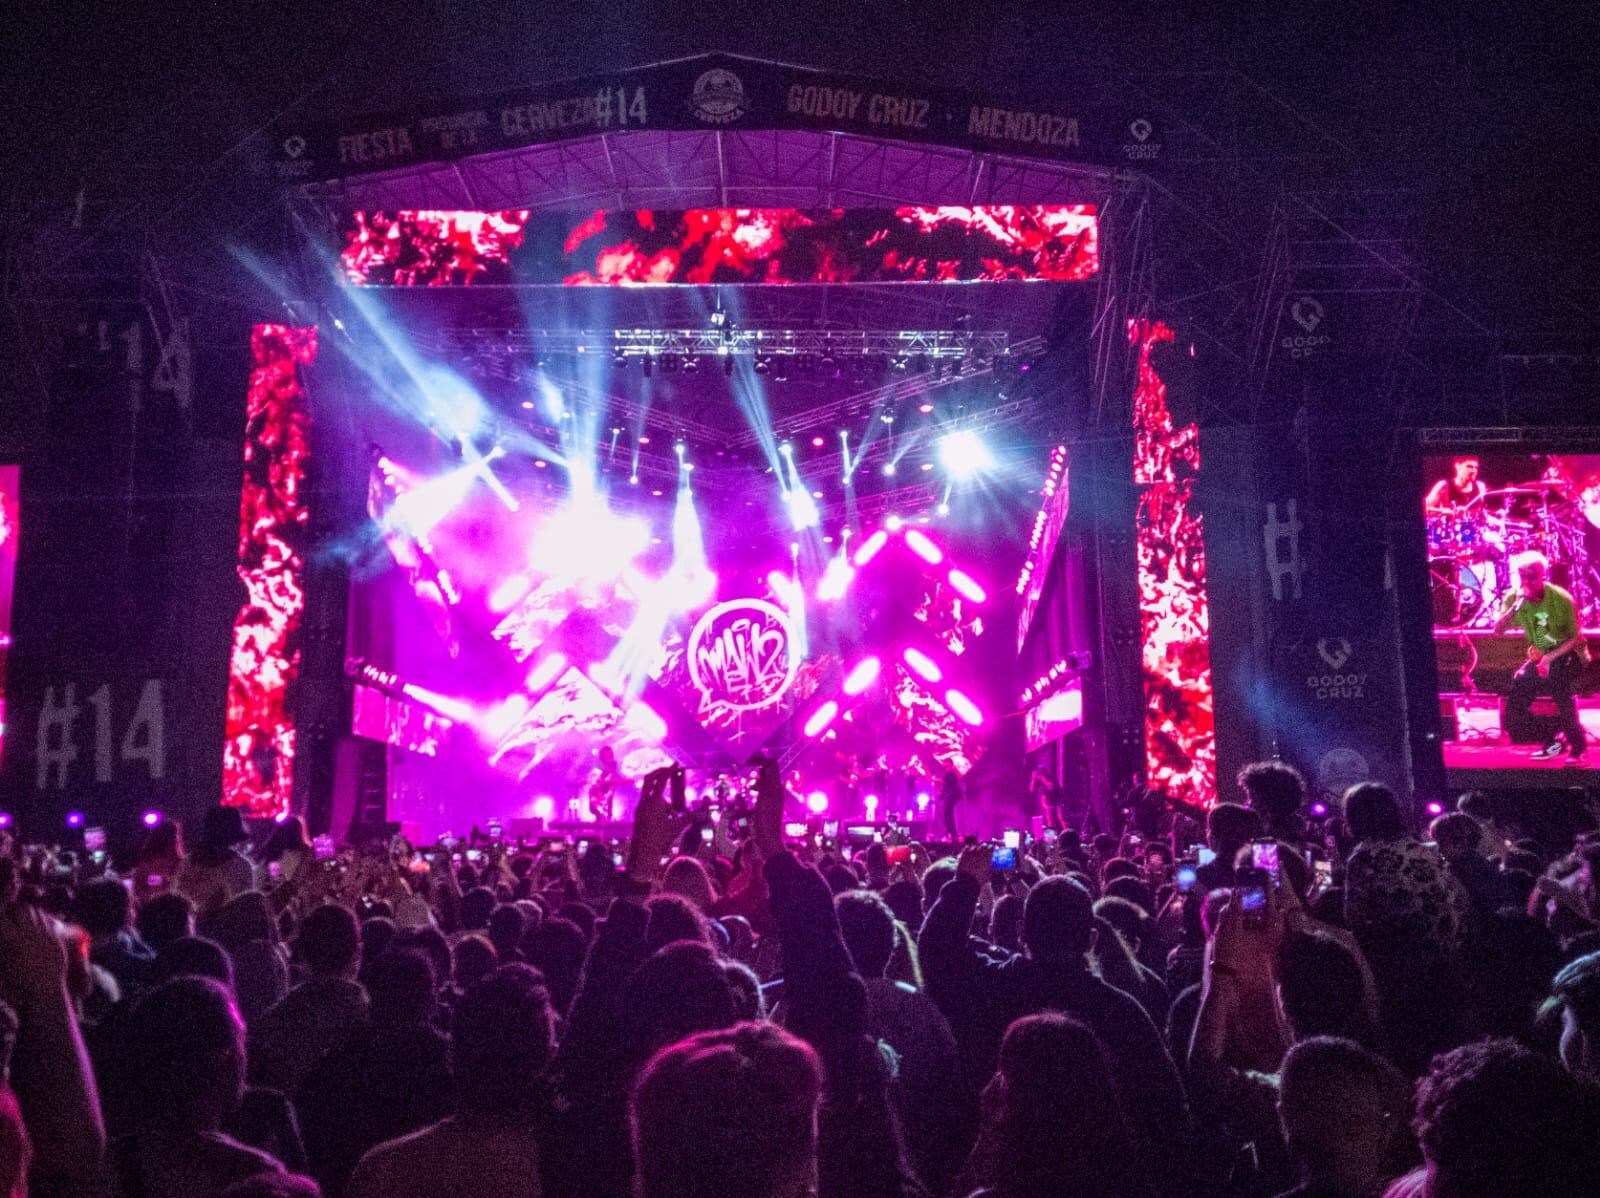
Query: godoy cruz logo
point(294, 145)
point(1336, 653)
point(1307, 312)
point(1334, 650)
point(1141, 147)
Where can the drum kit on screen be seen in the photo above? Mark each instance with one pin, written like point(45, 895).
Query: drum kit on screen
point(1471, 549)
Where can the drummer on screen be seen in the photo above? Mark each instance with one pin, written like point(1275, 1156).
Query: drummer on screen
point(1459, 491)
point(1556, 652)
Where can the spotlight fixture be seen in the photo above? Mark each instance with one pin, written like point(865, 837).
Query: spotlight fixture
point(964, 454)
point(763, 366)
point(619, 359)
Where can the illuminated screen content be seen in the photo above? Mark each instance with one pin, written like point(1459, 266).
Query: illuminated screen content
point(508, 635)
point(697, 246)
point(1514, 579)
point(10, 478)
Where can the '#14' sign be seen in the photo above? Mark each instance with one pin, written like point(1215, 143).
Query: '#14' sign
point(60, 755)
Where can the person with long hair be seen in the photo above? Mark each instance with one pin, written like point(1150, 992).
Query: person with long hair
point(1054, 1125)
point(289, 847)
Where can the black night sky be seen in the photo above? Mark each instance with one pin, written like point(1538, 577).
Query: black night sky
point(1483, 114)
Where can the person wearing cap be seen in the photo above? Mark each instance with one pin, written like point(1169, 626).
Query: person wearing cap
point(215, 870)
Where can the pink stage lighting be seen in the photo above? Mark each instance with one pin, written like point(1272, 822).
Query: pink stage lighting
point(870, 547)
point(544, 808)
point(966, 710)
point(5, 819)
point(1436, 808)
point(74, 819)
point(870, 802)
point(282, 816)
point(150, 818)
point(546, 672)
point(642, 718)
point(821, 718)
point(816, 802)
point(923, 547)
point(966, 585)
point(863, 676)
point(835, 580)
point(453, 709)
point(923, 665)
point(505, 715)
point(923, 799)
point(505, 596)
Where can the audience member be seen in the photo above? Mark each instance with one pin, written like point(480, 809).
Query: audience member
point(287, 1040)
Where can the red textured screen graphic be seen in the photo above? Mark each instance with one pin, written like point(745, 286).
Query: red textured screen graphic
point(430, 249)
point(1180, 730)
point(698, 246)
point(258, 754)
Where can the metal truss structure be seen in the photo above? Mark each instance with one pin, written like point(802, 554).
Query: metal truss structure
point(902, 346)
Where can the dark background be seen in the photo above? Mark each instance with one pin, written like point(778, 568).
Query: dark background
point(1484, 114)
point(138, 134)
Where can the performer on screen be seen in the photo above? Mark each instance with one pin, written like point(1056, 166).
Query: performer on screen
point(1557, 652)
point(603, 786)
point(1456, 492)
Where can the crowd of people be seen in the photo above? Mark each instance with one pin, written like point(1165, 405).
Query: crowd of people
point(1118, 1016)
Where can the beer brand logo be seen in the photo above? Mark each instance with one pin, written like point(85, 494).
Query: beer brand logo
point(718, 97)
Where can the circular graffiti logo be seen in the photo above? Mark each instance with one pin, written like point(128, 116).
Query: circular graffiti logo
point(718, 97)
point(739, 654)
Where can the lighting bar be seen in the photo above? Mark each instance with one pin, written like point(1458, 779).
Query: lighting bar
point(821, 718)
point(922, 665)
point(871, 546)
point(923, 547)
point(1052, 481)
point(968, 586)
point(863, 676)
point(965, 709)
point(546, 672)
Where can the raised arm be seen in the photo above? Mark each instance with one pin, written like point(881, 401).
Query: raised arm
point(55, 1086)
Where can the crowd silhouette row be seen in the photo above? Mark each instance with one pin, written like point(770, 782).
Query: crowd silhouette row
point(1369, 1013)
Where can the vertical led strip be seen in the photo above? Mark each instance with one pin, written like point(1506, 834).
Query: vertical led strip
point(1174, 623)
point(258, 753)
point(10, 476)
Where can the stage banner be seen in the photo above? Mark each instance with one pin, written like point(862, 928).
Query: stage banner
point(121, 536)
point(714, 93)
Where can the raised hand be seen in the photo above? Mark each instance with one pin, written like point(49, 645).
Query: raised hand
point(766, 820)
point(654, 826)
point(975, 862)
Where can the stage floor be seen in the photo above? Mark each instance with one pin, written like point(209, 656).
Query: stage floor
point(1488, 760)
